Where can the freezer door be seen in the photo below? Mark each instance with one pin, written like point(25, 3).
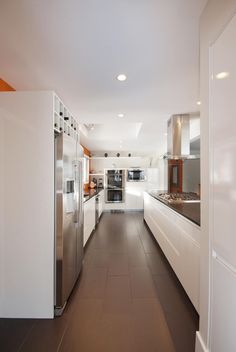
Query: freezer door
point(66, 217)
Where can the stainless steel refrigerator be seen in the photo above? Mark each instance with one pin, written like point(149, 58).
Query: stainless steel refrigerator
point(68, 217)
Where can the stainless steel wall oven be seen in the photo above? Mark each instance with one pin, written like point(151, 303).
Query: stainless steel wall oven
point(115, 186)
point(115, 195)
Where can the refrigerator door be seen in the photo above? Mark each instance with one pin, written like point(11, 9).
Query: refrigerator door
point(68, 254)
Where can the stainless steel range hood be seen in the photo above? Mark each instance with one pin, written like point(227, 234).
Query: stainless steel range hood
point(178, 138)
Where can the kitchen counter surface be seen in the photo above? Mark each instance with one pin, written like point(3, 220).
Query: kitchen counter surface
point(91, 193)
point(191, 211)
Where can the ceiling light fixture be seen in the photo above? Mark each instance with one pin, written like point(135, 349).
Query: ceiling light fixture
point(199, 102)
point(90, 126)
point(121, 115)
point(222, 75)
point(121, 77)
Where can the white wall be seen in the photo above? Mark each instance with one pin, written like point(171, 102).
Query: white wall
point(215, 17)
point(195, 126)
point(191, 175)
point(27, 205)
point(158, 178)
point(101, 163)
point(162, 166)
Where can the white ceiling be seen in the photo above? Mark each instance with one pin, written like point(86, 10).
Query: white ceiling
point(77, 47)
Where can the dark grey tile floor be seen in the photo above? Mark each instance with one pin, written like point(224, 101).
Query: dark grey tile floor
point(127, 299)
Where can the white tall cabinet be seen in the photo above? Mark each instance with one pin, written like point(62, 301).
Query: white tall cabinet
point(27, 204)
point(223, 190)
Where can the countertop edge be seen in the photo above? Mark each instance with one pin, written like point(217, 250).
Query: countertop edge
point(93, 194)
point(193, 222)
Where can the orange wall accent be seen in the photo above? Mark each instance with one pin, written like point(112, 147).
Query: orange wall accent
point(4, 86)
point(86, 151)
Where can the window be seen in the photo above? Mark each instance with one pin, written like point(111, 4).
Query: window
point(86, 169)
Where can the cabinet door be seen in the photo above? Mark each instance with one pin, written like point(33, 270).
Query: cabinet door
point(130, 198)
point(223, 307)
point(223, 190)
point(101, 203)
point(134, 195)
point(89, 218)
point(179, 240)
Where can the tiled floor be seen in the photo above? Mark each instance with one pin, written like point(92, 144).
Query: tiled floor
point(127, 299)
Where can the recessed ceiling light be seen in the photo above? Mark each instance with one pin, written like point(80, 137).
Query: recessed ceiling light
point(199, 102)
point(121, 77)
point(222, 75)
point(121, 115)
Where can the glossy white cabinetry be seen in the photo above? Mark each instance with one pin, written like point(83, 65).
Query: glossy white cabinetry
point(101, 203)
point(27, 203)
point(179, 239)
point(27, 212)
point(134, 195)
point(89, 218)
point(223, 190)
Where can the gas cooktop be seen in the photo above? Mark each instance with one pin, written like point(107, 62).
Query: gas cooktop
point(185, 197)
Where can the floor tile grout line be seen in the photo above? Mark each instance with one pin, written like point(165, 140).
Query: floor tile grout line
point(64, 333)
point(132, 232)
point(149, 268)
point(26, 336)
point(156, 296)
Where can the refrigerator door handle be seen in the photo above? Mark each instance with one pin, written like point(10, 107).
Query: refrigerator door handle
point(76, 194)
point(80, 188)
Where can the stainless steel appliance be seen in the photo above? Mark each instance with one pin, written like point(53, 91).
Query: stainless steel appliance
point(115, 178)
point(135, 175)
point(115, 195)
point(68, 217)
point(100, 182)
point(178, 138)
point(115, 186)
point(184, 197)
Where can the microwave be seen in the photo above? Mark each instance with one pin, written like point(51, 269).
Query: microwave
point(135, 175)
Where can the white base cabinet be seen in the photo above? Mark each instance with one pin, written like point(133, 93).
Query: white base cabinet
point(90, 214)
point(101, 203)
point(179, 239)
point(89, 218)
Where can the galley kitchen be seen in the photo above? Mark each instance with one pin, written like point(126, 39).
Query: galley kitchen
point(115, 169)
